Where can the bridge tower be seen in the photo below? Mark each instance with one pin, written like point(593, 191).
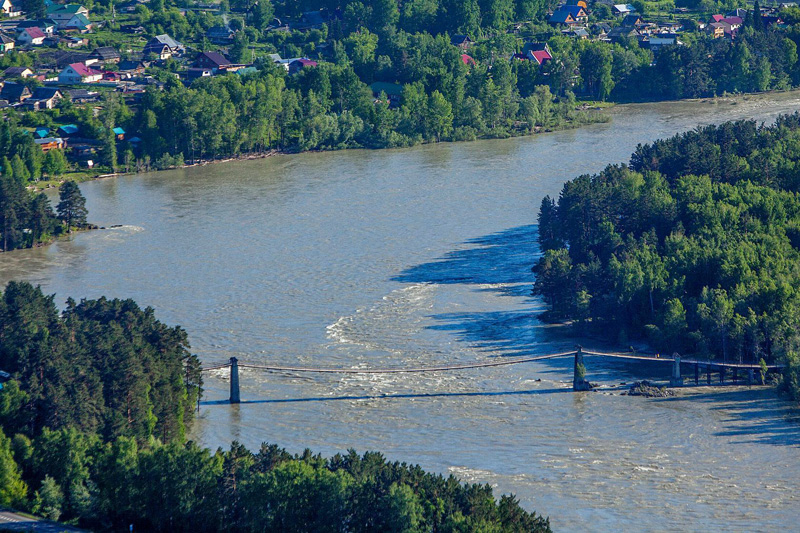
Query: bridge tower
point(579, 382)
point(235, 398)
point(676, 380)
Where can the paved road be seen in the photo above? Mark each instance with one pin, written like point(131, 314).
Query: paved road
point(14, 522)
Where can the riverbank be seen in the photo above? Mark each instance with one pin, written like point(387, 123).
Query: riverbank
point(598, 108)
point(81, 177)
point(592, 114)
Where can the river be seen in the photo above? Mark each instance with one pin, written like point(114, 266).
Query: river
point(417, 257)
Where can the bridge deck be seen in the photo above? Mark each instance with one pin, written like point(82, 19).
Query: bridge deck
point(702, 362)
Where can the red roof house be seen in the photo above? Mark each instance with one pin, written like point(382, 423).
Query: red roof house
point(79, 73)
point(299, 64)
point(540, 56)
point(31, 36)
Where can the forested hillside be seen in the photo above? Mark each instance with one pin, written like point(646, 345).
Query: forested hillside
point(693, 246)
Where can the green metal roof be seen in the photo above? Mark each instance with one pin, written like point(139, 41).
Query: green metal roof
point(391, 89)
point(66, 8)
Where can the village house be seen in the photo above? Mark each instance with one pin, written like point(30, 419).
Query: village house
point(245, 70)
point(284, 62)
point(621, 34)
point(78, 23)
point(58, 59)
point(632, 20)
point(220, 35)
point(537, 46)
point(734, 22)
point(562, 17)
point(103, 54)
point(14, 93)
point(83, 96)
point(10, 9)
point(67, 130)
point(213, 61)
point(622, 9)
point(31, 37)
point(79, 73)
point(577, 12)
point(163, 46)
point(132, 67)
point(157, 50)
point(45, 98)
point(540, 57)
point(579, 32)
point(393, 91)
point(17, 72)
point(6, 43)
point(538, 52)
point(462, 41)
point(569, 15)
point(716, 29)
point(68, 41)
point(670, 27)
point(581, 3)
point(51, 143)
point(192, 73)
point(46, 25)
point(656, 42)
point(62, 14)
point(299, 64)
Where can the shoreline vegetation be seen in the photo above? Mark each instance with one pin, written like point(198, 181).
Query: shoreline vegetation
point(585, 114)
point(692, 246)
point(595, 108)
point(93, 425)
point(27, 219)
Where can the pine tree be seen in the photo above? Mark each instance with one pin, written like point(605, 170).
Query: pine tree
point(72, 207)
point(758, 22)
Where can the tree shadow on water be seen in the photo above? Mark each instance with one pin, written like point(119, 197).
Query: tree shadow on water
point(753, 416)
point(500, 262)
point(504, 258)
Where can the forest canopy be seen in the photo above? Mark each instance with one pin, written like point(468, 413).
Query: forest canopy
point(693, 246)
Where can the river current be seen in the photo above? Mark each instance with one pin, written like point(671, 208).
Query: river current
point(420, 257)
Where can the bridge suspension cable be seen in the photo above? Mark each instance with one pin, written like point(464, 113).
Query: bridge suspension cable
point(441, 368)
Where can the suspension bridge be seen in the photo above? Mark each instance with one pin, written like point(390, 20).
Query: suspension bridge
point(579, 382)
